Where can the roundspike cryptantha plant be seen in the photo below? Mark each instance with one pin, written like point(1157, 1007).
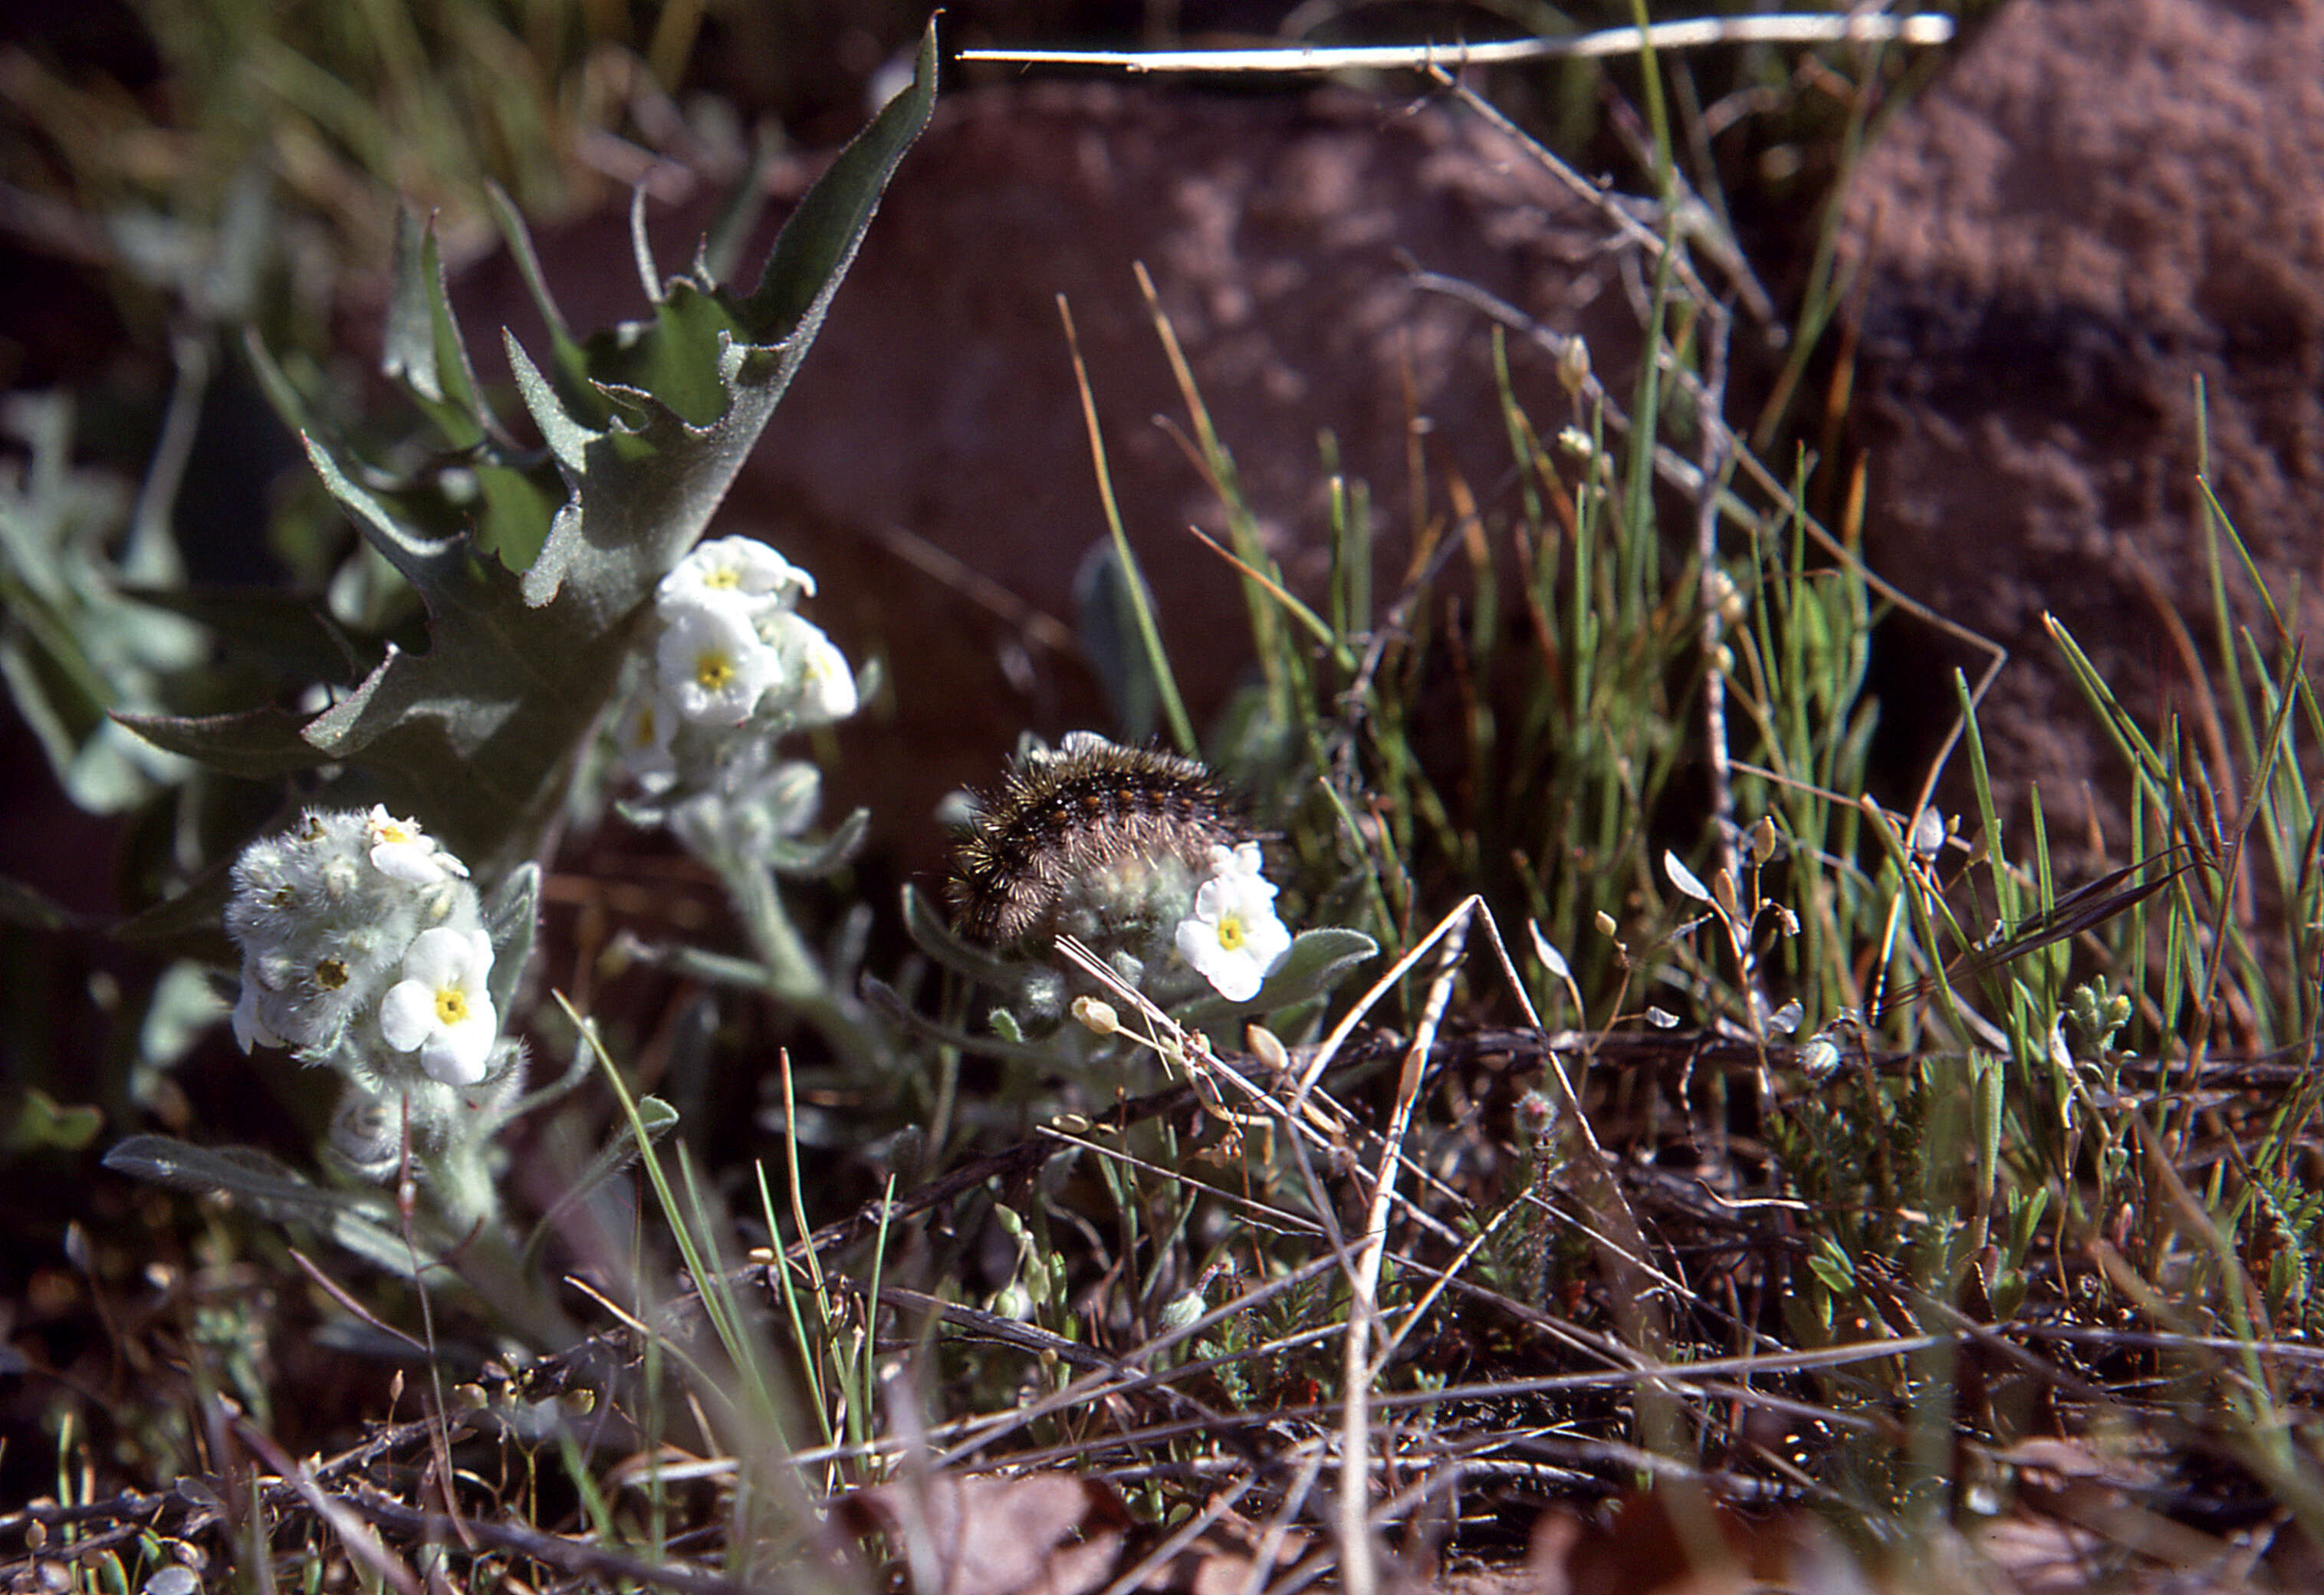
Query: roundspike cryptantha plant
point(364, 950)
point(537, 569)
point(532, 607)
point(728, 668)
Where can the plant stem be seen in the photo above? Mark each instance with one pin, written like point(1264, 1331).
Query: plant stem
point(467, 1205)
point(793, 974)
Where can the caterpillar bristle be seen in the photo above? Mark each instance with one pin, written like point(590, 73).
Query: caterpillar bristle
point(1061, 817)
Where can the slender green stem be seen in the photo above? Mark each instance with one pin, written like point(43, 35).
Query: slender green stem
point(1174, 707)
point(467, 1203)
point(794, 975)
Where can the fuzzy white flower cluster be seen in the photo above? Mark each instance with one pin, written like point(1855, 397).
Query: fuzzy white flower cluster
point(364, 947)
point(733, 663)
point(1234, 938)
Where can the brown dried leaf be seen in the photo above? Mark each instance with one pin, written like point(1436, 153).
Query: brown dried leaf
point(1220, 1560)
point(1655, 1545)
point(2043, 1556)
point(1660, 1544)
point(2080, 1510)
point(1036, 1534)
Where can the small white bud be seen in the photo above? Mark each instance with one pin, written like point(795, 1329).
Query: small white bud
point(401, 848)
point(1573, 366)
point(1181, 1311)
point(1096, 1015)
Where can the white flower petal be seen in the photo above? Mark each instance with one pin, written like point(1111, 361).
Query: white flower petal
point(442, 1009)
point(406, 1015)
point(819, 681)
point(400, 848)
point(1244, 862)
point(740, 566)
point(457, 1055)
point(710, 662)
point(644, 736)
point(446, 956)
point(250, 1029)
point(1234, 938)
point(1269, 940)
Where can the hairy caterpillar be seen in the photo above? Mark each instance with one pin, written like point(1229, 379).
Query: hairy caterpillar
point(1085, 837)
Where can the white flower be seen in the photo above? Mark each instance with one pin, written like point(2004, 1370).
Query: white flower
point(302, 996)
point(401, 848)
point(1233, 938)
point(250, 1026)
point(819, 684)
point(442, 1009)
point(736, 566)
point(711, 662)
point(644, 735)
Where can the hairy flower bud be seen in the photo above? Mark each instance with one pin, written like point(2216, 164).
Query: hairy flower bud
point(324, 915)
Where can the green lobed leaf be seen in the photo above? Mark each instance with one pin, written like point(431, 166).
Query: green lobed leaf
point(924, 923)
point(1318, 961)
point(32, 1120)
point(32, 910)
point(422, 349)
point(477, 735)
point(512, 918)
point(72, 645)
point(284, 632)
point(190, 925)
point(257, 744)
point(756, 344)
point(1107, 609)
point(250, 1176)
point(383, 1249)
point(358, 1223)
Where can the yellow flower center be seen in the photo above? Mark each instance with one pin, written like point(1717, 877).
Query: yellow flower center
point(451, 1005)
point(712, 671)
point(330, 975)
point(1231, 936)
point(725, 576)
point(389, 831)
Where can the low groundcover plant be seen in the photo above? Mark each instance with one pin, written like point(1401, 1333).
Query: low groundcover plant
point(1807, 1159)
point(364, 951)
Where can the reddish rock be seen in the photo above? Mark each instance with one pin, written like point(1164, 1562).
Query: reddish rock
point(1282, 235)
point(938, 408)
point(2102, 202)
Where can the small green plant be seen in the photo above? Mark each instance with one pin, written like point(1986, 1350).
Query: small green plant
point(390, 950)
point(1828, 1150)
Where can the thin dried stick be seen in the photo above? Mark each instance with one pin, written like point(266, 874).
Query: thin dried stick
point(1849, 28)
point(1358, 1571)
